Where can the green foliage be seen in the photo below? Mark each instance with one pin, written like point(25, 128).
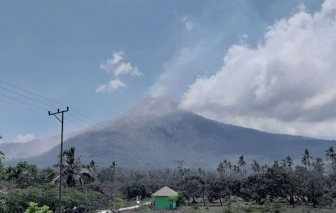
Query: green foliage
point(17, 199)
point(24, 166)
point(106, 175)
point(118, 203)
point(4, 207)
point(2, 169)
point(193, 187)
point(172, 198)
point(33, 208)
point(46, 174)
point(180, 198)
point(131, 190)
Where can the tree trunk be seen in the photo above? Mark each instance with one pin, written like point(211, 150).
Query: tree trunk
point(291, 200)
point(220, 200)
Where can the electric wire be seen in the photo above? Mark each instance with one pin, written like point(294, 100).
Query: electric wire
point(24, 102)
point(43, 104)
point(40, 109)
point(48, 100)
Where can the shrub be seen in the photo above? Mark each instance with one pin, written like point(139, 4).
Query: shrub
point(16, 200)
point(118, 203)
point(33, 208)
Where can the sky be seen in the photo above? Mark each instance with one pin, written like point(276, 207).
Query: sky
point(261, 64)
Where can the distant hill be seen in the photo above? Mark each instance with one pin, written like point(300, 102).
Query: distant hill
point(156, 132)
point(15, 150)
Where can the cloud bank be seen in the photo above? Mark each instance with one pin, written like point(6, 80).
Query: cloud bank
point(24, 138)
point(286, 84)
point(117, 67)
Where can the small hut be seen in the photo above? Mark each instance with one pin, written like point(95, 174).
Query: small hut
point(162, 201)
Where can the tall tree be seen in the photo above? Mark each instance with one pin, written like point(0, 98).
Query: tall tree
point(330, 155)
point(255, 166)
point(287, 164)
point(225, 164)
point(220, 169)
point(242, 163)
point(306, 158)
point(72, 169)
point(229, 166)
point(318, 165)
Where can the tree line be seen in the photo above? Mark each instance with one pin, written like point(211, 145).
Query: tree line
point(312, 182)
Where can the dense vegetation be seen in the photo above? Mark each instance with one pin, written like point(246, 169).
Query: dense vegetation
point(88, 187)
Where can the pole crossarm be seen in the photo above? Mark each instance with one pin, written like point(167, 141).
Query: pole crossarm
point(61, 155)
point(58, 111)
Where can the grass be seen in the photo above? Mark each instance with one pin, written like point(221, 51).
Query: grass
point(240, 206)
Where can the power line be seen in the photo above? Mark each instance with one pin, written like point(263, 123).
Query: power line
point(41, 108)
point(31, 92)
point(79, 119)
point(27, 97)
point(24, 102)
point(42, 103)
point(45, 99)
point(76, 123)
point(84, 116)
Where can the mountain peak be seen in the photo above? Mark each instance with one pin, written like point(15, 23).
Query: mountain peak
point(159, 106)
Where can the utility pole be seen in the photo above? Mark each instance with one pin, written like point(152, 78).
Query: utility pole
point(61, 157)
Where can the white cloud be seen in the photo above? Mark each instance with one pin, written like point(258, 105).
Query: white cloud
point(111, 86)
point(188, 24)
point(24, 138)
point(116, 65)
point(286, 84)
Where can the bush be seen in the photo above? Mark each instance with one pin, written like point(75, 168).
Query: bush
point(118, 203)
point(33, 208)
point(17, 200)
point(132, 190)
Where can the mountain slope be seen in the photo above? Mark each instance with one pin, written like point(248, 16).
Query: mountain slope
point(155, 137)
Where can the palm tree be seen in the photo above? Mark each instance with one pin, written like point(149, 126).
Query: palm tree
point(220, 169)
point(318, 165)
point(255, 166)
point(306, 157)
point(290, 164)
point(236, 170)
point(240, 171)
point(113, 166)
point(229, 166)
point(225, 163)
point(241, 162)
point(92, 167)
point(71, 169)
point(330, 155)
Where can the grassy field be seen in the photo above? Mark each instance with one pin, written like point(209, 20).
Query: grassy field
point(239, 206)
point(239, 209)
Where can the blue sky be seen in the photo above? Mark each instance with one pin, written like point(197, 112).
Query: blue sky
point(56, 49)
